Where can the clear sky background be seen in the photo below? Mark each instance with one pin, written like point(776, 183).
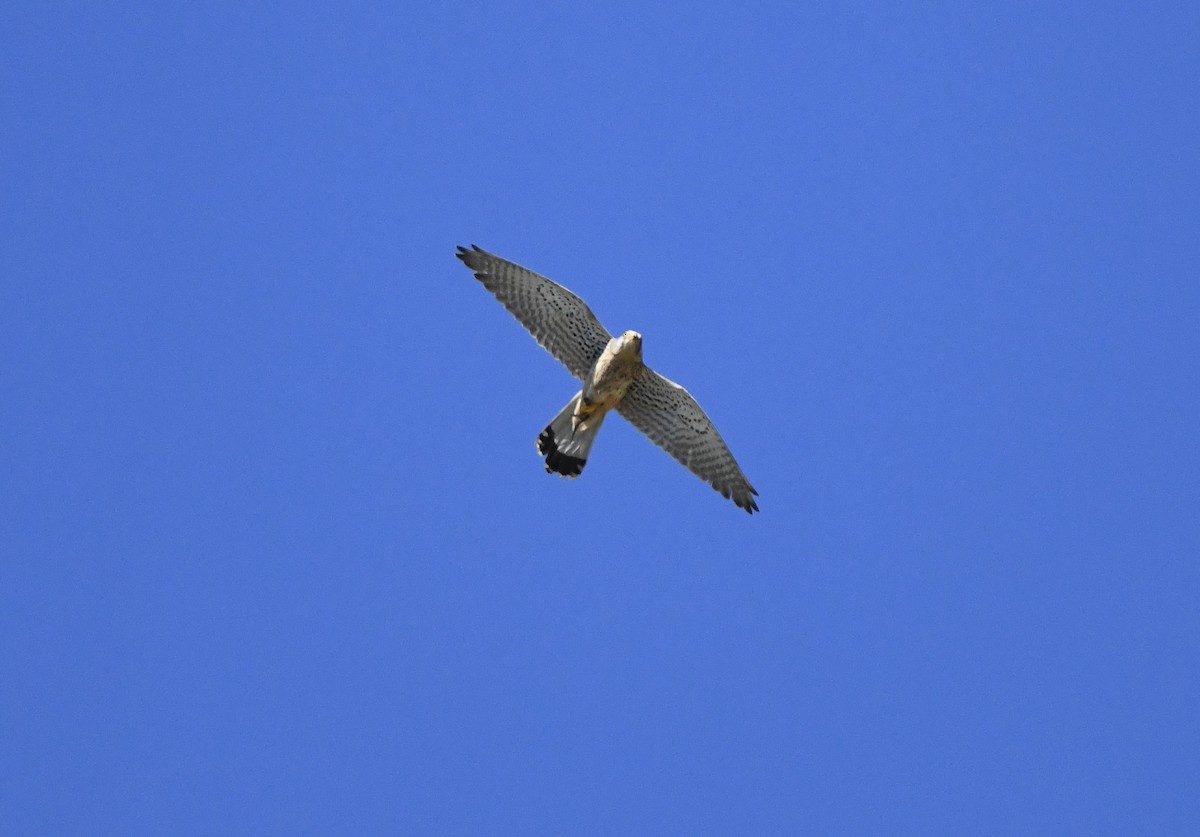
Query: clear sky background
point(279, 555)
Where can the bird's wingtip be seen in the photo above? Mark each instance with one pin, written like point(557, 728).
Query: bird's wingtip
point(465, 254)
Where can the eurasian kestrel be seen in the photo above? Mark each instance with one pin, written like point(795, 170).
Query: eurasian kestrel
point(613, 376)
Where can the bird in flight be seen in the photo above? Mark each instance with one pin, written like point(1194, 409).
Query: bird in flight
point(613, 377)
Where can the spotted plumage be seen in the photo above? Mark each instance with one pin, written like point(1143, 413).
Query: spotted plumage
point(613, 377)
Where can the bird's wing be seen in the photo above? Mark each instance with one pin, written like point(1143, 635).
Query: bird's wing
point(672, 419)
point(560, 321)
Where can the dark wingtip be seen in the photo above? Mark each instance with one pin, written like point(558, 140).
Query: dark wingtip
point(746, 502)
point(741, 500)
point(471, 258)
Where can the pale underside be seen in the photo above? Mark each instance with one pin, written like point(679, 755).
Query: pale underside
point(564, 325)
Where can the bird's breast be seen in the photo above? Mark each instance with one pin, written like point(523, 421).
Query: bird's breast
point(610, 378)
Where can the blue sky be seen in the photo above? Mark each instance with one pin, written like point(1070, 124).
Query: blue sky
point(279, 555)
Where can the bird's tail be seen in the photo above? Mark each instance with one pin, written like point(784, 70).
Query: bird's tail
point(565, 444)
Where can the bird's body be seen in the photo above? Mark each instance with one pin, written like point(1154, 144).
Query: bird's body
point(613, 376)
point(615, 370)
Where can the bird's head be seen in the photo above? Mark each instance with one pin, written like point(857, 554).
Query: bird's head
point(632, 341)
